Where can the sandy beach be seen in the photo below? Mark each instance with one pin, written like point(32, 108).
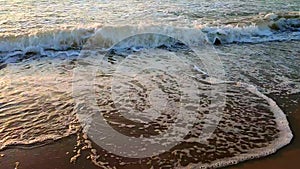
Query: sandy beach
point(57, 155)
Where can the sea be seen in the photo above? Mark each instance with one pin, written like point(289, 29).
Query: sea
point(160, 84)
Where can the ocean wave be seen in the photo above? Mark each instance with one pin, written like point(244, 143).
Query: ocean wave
point(272, 27)
point(50, 39)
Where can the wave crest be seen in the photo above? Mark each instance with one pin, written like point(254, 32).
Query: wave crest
point(271, 27)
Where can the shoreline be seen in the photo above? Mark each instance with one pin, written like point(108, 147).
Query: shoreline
point(286, 157)
point(57, 155)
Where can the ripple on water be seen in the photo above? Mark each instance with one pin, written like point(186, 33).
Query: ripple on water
point(37, 105)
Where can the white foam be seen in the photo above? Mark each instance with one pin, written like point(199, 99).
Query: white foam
point(106, 36)
point(284, 138)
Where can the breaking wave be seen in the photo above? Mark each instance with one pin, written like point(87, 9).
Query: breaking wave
point(272, 27)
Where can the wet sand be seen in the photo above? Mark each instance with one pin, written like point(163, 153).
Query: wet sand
point(52, 156)
point(285, 158)
point(57, 155)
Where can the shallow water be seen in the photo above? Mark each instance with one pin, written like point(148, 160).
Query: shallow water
point(39, 104)
point(173, 98)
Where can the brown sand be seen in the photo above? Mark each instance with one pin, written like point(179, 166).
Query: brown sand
point(287, 157)
point(58, 154)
